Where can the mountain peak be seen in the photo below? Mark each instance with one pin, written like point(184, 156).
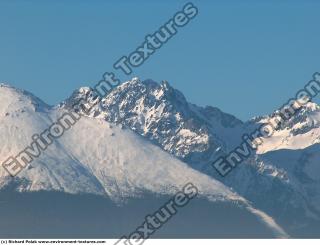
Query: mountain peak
point(165, 84)
point(6, 87)
point(14, 99)
point(162, 114)
point(311, 106)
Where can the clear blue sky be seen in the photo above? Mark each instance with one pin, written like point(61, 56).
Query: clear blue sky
point(245, 57)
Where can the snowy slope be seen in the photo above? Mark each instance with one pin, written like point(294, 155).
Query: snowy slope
point(22, 116)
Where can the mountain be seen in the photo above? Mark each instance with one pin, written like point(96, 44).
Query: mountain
point(292, 153)
point(161, 114)
point(301, 168)
point(94, 157)
point(298, 132)
point(198, 136)
point(101, 158)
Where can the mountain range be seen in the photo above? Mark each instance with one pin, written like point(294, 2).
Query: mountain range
point(145, 140)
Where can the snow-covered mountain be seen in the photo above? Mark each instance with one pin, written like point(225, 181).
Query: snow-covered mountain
point(298, 132)
point(162, 114)
point(103, 158)
point(95, 156)
point(199, 135)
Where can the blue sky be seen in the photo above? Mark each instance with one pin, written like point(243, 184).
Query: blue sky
point(244, 57)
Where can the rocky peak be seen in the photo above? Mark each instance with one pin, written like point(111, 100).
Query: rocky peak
point(163, 115)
